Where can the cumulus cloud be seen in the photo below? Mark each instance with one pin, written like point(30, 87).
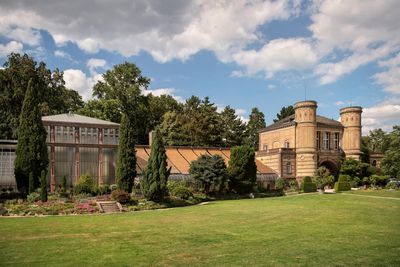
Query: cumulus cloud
point(164, 91)
point(277, 55)
point(78, 80)
point(389, 79)
point(383, 115)
point(175, 29)
point(95, 63)
point(10, 47)
point(365, 31)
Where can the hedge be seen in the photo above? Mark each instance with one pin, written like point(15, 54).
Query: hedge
point(342, 184)
point(308, 186)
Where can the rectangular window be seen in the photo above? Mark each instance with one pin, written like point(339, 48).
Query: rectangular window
point(287, 144)
point(327, 140)
point(336, 141)
point(288, 168)
point(265, 147)
point(319, 140)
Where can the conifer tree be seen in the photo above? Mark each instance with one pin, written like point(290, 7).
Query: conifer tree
point(155, 176)
point(126, 164)
point(31, 153)
point(31, 185)
point(256, 122)
point(43, 187)
point(242, 169)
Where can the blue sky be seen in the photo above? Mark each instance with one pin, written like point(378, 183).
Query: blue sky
point(245, 54)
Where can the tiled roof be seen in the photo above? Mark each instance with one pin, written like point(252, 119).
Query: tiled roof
point(290, 121)
point(77, 119)
point(179, 158)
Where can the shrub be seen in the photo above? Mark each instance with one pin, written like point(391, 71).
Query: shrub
point(182, 192)
point(366, 181)
point(121, 196)
point(355, 182)
point(103, 189)
point(85, 185)
point(377, 180)
point(343, 183)
point(308, 186)
point(280, 184)
point(393, 184)
point(113, 187)
point(294, 185)
point(64, 184)
point(33, 197)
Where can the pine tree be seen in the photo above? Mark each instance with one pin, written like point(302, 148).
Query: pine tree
point(242, 169)
point(233, 129)
point(155, 176)
point(285, 112)
point(43, 187)
point(31, 153)
point(126, 164)
point(256, 122)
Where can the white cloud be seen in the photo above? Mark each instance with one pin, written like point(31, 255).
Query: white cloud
point(383, 115)
point(175, 29)
point(278, 55)
point(164, 91)
point(364, 31)
point(63, 54)
point(10, 47)
point(389, 79)
point(339, 103)
point(77, 80)
point(94, 63)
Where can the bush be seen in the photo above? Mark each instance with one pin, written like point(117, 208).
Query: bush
point(33, 197)
point(179, 189)
point(366, 181)
point(280, 184)
point(120, 196)
point(103, 189)
point(308, 186)
point(113, 187)
point(393, 184)
point(377, 180)
point(355, 182)
point(85, 185)
point(294, 185)
point(343, 183)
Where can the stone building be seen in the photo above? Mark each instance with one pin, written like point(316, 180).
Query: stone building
point(296, 146)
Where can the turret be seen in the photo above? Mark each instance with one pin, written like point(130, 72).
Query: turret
point(306, 128)
point(351, 140)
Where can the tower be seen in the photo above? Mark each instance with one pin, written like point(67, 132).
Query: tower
point(306, 128)
point(351, 140)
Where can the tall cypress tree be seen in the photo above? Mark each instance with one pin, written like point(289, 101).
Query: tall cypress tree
point(126, 164)
point(31, 153)
point(242, 169)
point(155, 176)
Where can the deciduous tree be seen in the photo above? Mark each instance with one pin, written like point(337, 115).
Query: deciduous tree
point(242, 169)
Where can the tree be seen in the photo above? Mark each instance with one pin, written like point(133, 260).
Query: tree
point(155, 177)
point(233, 129)
point(391, 161)
point(379, 141)
point(126, 163)
point(43, 186)
point(242, 169)
point(53, 97)
point(256, 122)
point(31, 152)
point(210, 171)
point(365, 144)
point(285, 112)
point(351, 167)
point(323, 177)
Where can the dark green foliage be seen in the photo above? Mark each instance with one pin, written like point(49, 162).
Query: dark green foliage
point(365, 149)
point(233, 128)
point(242, 169)
point(31, 153)
point(379, 180)
point(343, 183)
point(280, 184)
point(120, 196)
point(351, 167)
point(85, 185)
point(155, 177)
point(285, 112)
point(210, 171)
point(179, 189)
point(43, 186)
point(256, 122)
point(391, 162)
point(33, 197)
point(64, 183)
point(126, 164)
point(103, 189)
point(31, 183)
point(323, 178)
point(52, 96)
point(308, 186)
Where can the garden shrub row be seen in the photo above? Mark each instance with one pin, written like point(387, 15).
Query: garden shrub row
point(342, 184)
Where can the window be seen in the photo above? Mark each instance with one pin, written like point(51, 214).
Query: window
point(265, 147)
point(319, 140)
point(288, 168)
point(327, 140)
point(287, 144)
point(336, 141)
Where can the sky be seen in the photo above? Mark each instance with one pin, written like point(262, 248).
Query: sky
point(244, 54)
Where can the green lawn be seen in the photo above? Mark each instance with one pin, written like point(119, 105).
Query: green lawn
point(303, 230)
point(378, 193)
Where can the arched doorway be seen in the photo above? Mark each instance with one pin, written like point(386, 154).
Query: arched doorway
point(332, 167)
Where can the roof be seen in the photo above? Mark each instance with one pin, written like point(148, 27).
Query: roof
point(290, 121)
point(71, 118)
point(179, 158)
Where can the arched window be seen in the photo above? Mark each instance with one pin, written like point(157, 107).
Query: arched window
point(374, 163)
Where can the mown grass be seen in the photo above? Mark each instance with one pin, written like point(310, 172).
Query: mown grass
point(378, 193)
point(301, 230)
